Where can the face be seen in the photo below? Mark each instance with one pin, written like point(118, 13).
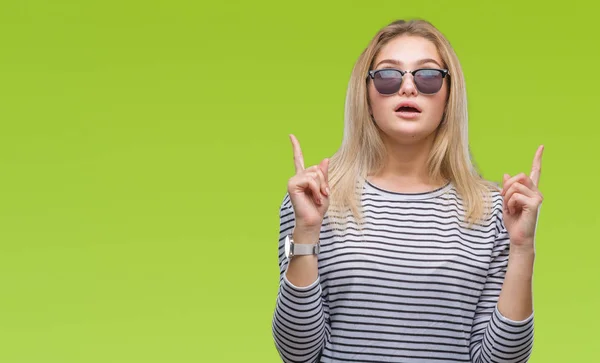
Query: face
point(422, 113)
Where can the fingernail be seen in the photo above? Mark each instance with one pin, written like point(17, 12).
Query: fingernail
point(327, 190)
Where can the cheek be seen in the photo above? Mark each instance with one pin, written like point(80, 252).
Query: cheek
point(376, 101)
point(438, 103)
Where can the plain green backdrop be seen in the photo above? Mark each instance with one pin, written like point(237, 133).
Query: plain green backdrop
point(144, 154)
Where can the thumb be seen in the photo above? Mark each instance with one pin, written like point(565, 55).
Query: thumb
point(324, 166)
point(505, 178)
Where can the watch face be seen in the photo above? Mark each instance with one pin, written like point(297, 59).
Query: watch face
point(287, 246)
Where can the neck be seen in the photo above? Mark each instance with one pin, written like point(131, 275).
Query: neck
point(405, 168)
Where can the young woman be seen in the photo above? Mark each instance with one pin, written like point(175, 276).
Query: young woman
point(395, 249)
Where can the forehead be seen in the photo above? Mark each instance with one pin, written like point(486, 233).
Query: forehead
point(409, 50)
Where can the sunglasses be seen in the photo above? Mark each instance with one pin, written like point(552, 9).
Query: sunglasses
point(427, 80)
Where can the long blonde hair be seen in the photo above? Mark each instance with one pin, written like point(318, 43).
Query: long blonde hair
point(362, 149)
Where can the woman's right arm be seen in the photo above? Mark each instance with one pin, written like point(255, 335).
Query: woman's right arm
point(301, 318)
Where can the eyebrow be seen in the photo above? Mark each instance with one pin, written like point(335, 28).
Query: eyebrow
point(399, 63)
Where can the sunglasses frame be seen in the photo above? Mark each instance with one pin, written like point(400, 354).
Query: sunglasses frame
point(373, 72)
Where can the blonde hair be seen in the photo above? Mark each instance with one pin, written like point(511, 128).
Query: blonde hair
point(362, 149)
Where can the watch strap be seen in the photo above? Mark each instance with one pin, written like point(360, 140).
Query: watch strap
point(304, 249)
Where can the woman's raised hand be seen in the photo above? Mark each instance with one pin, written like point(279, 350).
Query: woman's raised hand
point(309, 191)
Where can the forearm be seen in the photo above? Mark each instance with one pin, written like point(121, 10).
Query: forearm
point(303, 270)
point(508, 331)
point(299, 323)
point(516, 297)
point(300, 319)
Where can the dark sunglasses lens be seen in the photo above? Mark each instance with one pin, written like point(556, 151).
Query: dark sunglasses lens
point(387, 81)
point(429, 80)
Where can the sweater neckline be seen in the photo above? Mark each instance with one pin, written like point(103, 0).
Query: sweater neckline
point(371, 187)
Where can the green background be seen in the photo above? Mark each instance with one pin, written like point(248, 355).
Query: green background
point(144, 154)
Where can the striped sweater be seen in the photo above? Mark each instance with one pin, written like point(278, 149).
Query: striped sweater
point(414, 286)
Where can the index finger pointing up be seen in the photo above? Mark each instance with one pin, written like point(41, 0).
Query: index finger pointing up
point(536, 168)
point(298, 158)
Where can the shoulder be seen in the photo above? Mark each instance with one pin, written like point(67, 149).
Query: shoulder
point(486, 202)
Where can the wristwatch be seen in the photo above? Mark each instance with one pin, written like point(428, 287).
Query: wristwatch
point(299, 249)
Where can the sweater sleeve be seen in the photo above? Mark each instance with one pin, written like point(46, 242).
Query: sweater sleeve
point(495, 338)
point(300, 323)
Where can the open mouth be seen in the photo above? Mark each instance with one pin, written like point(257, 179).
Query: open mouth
point(407, 109)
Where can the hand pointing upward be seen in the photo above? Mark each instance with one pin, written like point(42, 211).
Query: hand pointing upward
point(308, 190)
point(522, 202)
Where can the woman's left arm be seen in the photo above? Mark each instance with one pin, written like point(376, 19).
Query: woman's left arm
point(521, 205)
point(503, 327)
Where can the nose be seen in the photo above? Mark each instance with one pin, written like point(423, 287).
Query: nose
point(408, 87)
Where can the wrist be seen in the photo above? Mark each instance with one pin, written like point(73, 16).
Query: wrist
point(303, 235)
point(521, 262)
point(525, 251)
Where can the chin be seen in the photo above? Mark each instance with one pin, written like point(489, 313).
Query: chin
point(408, 132)
point(407, 139)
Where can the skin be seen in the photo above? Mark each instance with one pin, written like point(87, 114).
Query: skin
point(522, 202)
point(308, 190)
point(408, 53)
point(408, 143)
